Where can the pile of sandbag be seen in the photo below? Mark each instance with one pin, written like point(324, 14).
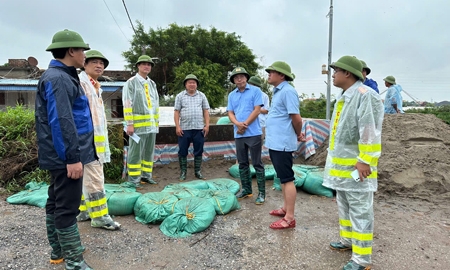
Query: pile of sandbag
point(309, 179)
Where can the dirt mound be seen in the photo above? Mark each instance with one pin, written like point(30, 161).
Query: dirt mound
point(415, 160)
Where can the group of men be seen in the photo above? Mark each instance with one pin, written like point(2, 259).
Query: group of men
point(393, 101)
point(73, 142)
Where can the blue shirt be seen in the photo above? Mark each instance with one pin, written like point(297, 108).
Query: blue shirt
point(393, 96)
point(242, 104)
point(280, 134)
point(372, 84)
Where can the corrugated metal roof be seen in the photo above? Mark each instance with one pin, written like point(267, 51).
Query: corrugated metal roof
point(31, 85)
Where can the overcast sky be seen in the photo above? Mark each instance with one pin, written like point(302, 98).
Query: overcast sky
point(404, 38)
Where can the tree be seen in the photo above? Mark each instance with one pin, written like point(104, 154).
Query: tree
point(209, 50)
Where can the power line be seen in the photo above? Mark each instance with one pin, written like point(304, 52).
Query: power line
point(125, 6)
point(116, 21)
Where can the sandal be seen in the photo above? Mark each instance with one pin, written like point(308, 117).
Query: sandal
point(278, 212)
point(277, 224)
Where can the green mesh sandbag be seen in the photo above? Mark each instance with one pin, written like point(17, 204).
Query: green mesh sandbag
point(35, 194)
point(234, 171)
point(225, 120)
point(196, 184)
point(223, 184)
point(190, 215)
point(313, 184)
point(153, 207)
point(121, 203)
point(269, 172)
point(224, 201)
point(300, 175)
point(276, 183)
point(119, 187)
point(181, 191)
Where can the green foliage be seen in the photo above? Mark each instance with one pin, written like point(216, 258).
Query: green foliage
point(167, 102)
point(314, 108)
point(216, 51)
point(209, 76)
point(16, 122)
point(113, 169)
point(442, 112)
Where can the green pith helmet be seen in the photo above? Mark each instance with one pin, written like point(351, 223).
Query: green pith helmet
point(91, 54)
point(283, 68)
point(390, 79)
point(145, 58)
point(239, 70)
point(255, 80)
point(67, 39)
point(190, 77)
point(365, 67)
point(350, 64)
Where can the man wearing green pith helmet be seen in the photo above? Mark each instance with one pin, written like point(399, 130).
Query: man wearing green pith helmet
point(93, 203)
point(65, 143)
point(141, 113)
point(354, 147)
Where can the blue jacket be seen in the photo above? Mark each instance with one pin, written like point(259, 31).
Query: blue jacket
point(372, 84)
point(63, 120)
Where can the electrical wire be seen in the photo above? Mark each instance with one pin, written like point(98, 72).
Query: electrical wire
point(125, 6)
point(116, 21)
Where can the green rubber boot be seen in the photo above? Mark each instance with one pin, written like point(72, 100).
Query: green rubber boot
point(183, 167)
point(246, 183)
point(197, 167)
point(56, 256)
point(69, 239)
point(261, 180)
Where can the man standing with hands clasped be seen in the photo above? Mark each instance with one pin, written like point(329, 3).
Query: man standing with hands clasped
point(244, 105)
point(284, 129)
point(191, 118)
point(354, 143)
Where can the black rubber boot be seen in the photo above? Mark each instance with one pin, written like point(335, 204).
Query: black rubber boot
point(56, 256)
point(197, 167)
point(183, 167)
point(261, 180)
point(246, 183)
point(69, 239)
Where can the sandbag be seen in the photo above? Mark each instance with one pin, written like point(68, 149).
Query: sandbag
point(234, 171)
point(225, 120)
point(153, 207)
point(313, 184)
point(224, 201)
point(195, 184)
point(119, 187)
point(223, 184)
point(35, 193)
point(180, 191)
point(190, 215)
point(300, 175)
point(276, 183)
point(121, 202)
point(269, 172)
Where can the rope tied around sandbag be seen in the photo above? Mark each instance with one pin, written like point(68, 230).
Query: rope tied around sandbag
point(218, 203)
point(189, 215)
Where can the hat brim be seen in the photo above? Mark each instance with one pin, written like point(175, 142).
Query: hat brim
point(287, 75)
point(348, 68)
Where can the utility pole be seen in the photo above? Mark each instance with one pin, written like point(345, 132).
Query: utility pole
point(330, 39)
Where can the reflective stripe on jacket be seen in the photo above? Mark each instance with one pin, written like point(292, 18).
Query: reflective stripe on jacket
point(141, 105)
point(355, 135)
point(94, 94)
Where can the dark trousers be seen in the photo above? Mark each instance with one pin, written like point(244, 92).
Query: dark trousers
point(64, 197)
point(254, 144)
point(282, 163)
point(194, 136)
